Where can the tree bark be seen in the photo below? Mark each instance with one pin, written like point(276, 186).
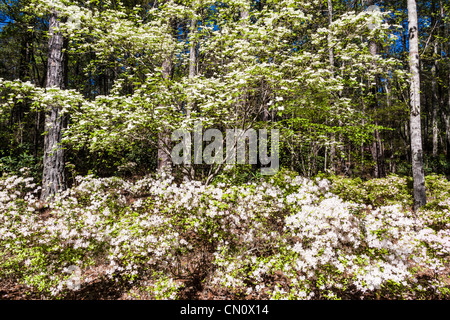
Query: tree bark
point(448, 112)
point(53, 179)
point(164, 141)
point(435, 103)
point(331, 60)
point(377, 147)
point(447, 117)
point(192, 50)
point(190, 170)
point(415, 125)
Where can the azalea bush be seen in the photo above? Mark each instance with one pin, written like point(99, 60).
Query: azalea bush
point(393, 189)
point(281, 237)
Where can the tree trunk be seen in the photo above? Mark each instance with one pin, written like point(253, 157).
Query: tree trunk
point(164, 160)
point(192, 49)
point(244, 21)
point(377, 147)
point(415, 125)
point(435, 103)
point(190, 170)
point(331, 60)
point(164, 141)
point(448, 115)
point(24, 73)
point(447, 118)
point(377, 151)
point(53, 179)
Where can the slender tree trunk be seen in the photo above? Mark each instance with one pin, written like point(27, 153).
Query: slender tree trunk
point(447, 117)
point(53, 179)
point(331, 60)
point(377, 151)
point(164, 141)
point(37, 131)
point(374, 149)
point(265, 89)
point(415, 125)
point(435, 103)
point(244, 21)
point(192, 73)
point(24, 72)
point(164, 160)
point(434, 89)
point(387, 89)
point(192, 49)
point(377, 147)
point(447, 130)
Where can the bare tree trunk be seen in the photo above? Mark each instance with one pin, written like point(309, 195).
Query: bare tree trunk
point(331, 60)
point(434, 90)
point(190, 173)
point(24, 72)
point(244, 14)
point(53, 179)
point(435, 103)
point(447, 114)
point(164, 141)
point(415, 125)
point(377, 147)
point(377, 151)
point(192, 49)
point(164, 160)
point(446, 119)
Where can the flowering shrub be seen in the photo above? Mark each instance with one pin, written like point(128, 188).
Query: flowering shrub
point(285, 238)
point(390, 190)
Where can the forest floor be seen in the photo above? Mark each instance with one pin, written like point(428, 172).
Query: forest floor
point(105, 289)
point(109, 290)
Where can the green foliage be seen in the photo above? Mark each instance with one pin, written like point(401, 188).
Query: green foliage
point(376, 192)
point(16, 165)
point(237, 175)
point(438, 202)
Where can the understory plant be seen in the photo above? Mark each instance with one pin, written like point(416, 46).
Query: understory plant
point(283, 237)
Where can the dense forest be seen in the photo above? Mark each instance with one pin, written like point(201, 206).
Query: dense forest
point(93, 205)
